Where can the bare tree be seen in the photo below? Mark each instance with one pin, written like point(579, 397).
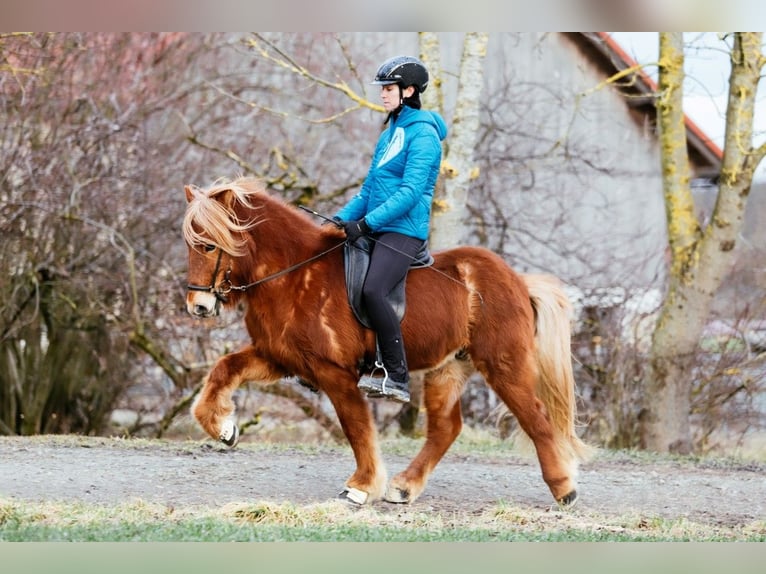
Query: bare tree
point(699, 254)
point(88, 269)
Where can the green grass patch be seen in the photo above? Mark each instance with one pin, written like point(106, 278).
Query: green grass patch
point(336, 522)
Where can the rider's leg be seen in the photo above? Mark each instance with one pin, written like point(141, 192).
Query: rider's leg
point(389, 263)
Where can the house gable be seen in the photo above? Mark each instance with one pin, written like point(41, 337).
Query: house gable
point(639, 92)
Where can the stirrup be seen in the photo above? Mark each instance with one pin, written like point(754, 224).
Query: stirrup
point(384, 387)
point(372, 384)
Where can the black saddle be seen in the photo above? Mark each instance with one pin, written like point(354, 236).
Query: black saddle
point(356, 258)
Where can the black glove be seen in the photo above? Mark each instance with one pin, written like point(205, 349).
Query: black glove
point(355, 229)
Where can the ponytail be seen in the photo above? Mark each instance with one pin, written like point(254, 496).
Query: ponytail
point(413, 101)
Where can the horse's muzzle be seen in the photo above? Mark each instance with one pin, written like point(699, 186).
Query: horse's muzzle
point(203, 305)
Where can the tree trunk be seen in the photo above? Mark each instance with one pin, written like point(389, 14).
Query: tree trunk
point(699, 258)
point(450, 196)
point(458, 166)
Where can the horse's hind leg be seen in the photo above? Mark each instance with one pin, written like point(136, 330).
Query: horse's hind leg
point(516, 388)
point(441, 395)
point(213, 406)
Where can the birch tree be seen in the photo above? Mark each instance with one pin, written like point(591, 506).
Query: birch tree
point(700, 255)
point(450, 209)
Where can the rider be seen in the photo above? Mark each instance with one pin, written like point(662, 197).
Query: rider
point(393, 206)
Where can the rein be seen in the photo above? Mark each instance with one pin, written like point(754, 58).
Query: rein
point(226, 286)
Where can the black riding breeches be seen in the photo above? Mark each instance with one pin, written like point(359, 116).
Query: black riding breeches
point(390, 260)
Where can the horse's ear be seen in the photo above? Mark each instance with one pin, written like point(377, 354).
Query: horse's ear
point(189, 194)
point(228, 198)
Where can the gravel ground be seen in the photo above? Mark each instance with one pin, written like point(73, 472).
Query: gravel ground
point(108, 471)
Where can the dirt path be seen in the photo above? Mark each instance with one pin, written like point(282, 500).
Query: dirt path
point(110, 471)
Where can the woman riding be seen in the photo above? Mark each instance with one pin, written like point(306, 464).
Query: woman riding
point(393, 207)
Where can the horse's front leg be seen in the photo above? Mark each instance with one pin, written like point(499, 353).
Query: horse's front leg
point(213, 406)
point(368, 482)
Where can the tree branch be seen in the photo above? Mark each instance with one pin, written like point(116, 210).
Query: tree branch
point(288, 63)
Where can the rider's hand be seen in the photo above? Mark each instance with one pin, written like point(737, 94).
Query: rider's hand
point(355, 229)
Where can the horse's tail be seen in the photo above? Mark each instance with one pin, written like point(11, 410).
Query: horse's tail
point(556, 384)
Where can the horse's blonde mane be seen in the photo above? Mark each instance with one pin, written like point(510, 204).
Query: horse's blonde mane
point(211, 217)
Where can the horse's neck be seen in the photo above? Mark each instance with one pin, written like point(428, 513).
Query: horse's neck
point(286, 236)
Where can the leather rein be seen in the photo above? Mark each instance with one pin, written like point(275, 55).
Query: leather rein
point(222, 290)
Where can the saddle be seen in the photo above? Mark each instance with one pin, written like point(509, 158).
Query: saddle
point(356, 259)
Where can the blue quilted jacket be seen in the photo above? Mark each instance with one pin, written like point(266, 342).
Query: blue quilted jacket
point(397, 192)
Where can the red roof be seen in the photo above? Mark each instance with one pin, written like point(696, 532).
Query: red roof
point(640, 93)
point(629, 62)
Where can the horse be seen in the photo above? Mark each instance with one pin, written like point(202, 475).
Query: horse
point(467, 312)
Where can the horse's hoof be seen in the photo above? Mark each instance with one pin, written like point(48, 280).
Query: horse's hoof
point(229, 433)
point(397, 495)
point(353, 496)
point(568, 501)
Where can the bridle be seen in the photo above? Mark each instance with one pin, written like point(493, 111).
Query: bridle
point(222, 290)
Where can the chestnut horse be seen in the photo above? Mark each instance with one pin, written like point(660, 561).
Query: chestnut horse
point(468, 312)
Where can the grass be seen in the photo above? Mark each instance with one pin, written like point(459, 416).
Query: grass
point(336, 522)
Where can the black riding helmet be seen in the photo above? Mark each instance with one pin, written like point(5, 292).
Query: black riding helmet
point(403, 70)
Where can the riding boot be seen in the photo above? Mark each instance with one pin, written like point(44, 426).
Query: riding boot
point(394, 384)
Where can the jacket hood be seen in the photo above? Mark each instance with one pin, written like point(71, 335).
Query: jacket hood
point(409, 116)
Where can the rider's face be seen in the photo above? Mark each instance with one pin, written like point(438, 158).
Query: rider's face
point(390, 96)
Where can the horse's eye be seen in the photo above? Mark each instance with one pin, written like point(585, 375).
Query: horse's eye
point(209, 247)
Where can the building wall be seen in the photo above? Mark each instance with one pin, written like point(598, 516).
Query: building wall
point(579, 178)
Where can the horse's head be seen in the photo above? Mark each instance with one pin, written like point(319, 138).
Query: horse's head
point(208, 284)
point(215, 235)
